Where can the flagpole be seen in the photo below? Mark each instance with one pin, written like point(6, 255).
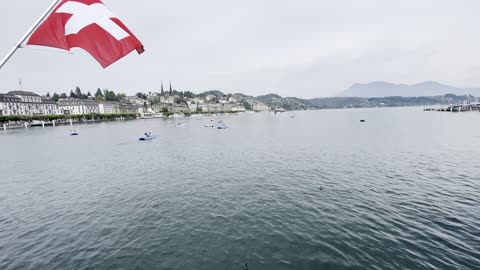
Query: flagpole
point(29, 32)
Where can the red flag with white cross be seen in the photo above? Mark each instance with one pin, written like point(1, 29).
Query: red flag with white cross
point(90, 25)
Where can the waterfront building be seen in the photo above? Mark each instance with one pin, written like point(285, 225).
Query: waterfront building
point(127, 107)
point(108, 107)
point(180, 108)
point(26, 103)
point(169, 99)
point(232, 99)
point(210, 97)
point(238, 108)
point(192, 106)
point(10, 105)
point(77, 106)
point(261, 107)
point(159, 107)
point(223, 100)
point(218, 107)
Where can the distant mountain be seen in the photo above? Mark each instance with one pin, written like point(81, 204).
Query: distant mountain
point(424, 89)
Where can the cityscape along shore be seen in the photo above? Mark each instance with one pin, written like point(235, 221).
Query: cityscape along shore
point(20, 109)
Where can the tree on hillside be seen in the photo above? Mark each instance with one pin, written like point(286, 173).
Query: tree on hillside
point(55, 97)
point(99, 94)
point(247, 105)
point(141, 95)
point(189, 94)
point(88, 94)
point(72, 94)
point(120, 96)
point(110, 95)
point(47, 95)
point(63, 95)
point(78, 92)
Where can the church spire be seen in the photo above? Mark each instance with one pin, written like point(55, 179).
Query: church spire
point(161, 91)
point(171, 91)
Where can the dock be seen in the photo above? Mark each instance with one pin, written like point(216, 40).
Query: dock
point(464, 107)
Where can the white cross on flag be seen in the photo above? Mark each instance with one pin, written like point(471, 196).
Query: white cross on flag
point(87, 24)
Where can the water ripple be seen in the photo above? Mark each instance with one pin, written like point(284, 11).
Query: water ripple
point(320, 192)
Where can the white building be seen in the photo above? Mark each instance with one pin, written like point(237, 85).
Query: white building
point(210, 97)
point(261, 107)
point(77, 106)
point(10, 105)
point(26, 103)
point(107, 107)
point(136, 100)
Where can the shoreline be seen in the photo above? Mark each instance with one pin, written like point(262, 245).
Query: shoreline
point(29, 121)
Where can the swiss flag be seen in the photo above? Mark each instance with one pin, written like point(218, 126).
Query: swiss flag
point(87, 24)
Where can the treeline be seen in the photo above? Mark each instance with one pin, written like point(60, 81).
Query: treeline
point(106, 95)
point(358, 102)
point(30, 118)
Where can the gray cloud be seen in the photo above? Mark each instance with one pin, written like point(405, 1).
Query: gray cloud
point(307, 48)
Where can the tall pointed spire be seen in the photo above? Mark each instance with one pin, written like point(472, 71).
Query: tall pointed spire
point(162, 92)
point(171, 91)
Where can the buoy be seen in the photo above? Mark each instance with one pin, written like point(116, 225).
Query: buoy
point(362, 121)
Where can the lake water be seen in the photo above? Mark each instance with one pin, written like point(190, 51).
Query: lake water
point(317, 191)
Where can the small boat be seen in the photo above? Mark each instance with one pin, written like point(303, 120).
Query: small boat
point(147, 137)
point(73, 133)
point(180, 124)
point(147, 116)
point(222, 126)
point(210, 125)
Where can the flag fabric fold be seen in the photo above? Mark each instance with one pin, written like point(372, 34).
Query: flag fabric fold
point(89, 25)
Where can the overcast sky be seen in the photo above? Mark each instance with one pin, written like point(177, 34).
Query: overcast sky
point(304, 48)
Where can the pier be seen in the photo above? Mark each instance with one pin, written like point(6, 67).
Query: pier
point(464, 107)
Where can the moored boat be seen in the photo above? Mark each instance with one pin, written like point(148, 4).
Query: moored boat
point(147, 116)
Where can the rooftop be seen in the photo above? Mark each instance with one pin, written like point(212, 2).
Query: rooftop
point(22, 93)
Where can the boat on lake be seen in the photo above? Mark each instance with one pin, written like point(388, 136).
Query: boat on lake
point(73, 133)
point(222, 126)
point(147, 137)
